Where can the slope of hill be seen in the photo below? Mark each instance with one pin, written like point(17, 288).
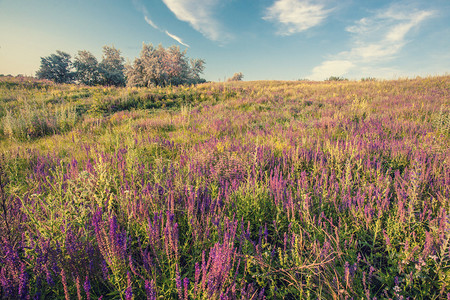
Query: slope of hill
point(245, 190)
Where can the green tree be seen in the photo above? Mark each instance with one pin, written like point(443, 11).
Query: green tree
point(197, 68)
point(56, 67)
point(112, 67)
point(157, 66)
point(87, 68)
point(236, 77)
point(336, 78)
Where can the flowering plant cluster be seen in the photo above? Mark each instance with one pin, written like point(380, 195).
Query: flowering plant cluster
point(237, 190)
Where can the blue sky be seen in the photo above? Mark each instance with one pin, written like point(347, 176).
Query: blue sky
point(267, 39)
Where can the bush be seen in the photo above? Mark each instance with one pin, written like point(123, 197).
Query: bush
point(336, 78)
point(368, 79)
point(236, 77)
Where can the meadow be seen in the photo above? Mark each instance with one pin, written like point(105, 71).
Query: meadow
point(236, 190)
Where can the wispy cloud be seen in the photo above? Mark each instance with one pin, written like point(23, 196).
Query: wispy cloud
point(200, 15)
point(376, 40)
point(331, 68)
point(140, 7)
point(150, 22)
point(176, 38)
point(384, 35)
point(293, 16)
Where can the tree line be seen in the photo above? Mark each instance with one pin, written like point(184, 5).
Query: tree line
point(156, 66)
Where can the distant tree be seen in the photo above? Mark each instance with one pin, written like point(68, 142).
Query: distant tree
point(87, 68)
point(112, 67)
point(134, 73)
point(56, 67)
point(147, 69)
point(197, 68)
point(175, 65)
point(236, 77)
point(157, 66)
point(336, 78)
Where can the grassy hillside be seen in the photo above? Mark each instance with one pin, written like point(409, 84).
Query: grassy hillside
point(242, 190)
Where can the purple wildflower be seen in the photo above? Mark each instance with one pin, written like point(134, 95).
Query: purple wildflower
point(178, 283)
point(266, 233)
point(64, 282)
point(186, 288)
point(428, 244)
point(347, 273)
point(386, 237)
point(261, 294)
point(129, 290)
point(23, 285)
point(87, 287)
point(150, 290)
point(48, 276)
point(105, 271)
point(77, 283)
point(197, 277)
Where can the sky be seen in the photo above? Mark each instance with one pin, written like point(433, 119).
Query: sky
point(263, 39)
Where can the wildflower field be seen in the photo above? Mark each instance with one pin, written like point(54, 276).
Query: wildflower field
point(237, 190)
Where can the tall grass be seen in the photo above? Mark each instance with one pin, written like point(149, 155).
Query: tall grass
point(249, 190)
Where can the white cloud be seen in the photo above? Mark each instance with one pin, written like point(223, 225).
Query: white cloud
point(199, 14)
point(176, 38)
point(150, 22)
point(140, 7)
point(382, 36)
point(376, 40)
point(293, 16)
point(331, 68)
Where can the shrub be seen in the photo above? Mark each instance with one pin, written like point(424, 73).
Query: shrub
point(236, 77)
point(336, 78)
